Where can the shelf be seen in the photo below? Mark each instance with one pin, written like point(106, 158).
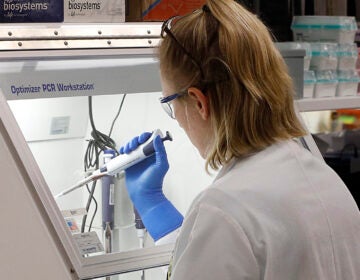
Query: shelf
point(322, 104)
point(79, 36)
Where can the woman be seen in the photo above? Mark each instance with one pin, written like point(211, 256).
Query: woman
point(274, 211)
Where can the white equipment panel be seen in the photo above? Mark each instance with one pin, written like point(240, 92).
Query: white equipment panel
point(27, 237)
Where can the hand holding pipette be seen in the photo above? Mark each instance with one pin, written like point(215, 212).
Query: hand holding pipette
point(121, 162)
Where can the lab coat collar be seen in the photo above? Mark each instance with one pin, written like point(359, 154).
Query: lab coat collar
point(226, 168)
point(230, 165)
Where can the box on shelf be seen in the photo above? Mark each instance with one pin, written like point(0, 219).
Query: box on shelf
point(324, 56)
point(347, 83)
point(297, 46)
point(338, 29)
point(347, 56)
point(154, 10)
point(326, 84)
point(160, 10)
point(309, 84)
point(25, 11)
point(94, 11)
point(133, 10)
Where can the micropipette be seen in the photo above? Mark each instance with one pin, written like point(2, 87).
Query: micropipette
point(121, 162)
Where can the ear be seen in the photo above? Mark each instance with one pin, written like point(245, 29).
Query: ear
point(201, 102)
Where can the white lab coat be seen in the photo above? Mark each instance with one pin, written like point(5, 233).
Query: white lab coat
point(280, 214)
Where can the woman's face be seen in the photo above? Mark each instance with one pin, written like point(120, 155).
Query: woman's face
point(190, 116)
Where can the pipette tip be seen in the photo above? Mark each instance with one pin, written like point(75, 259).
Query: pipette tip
point(167, 137)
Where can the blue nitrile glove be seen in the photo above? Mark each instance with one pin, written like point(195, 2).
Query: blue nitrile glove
point(144, 184)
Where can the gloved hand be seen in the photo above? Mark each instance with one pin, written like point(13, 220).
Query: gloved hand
point(144, 184)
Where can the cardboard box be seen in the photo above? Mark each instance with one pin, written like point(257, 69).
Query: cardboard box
point(133, 10)
point(26, 11)
point(94, 11)
point(160, 10)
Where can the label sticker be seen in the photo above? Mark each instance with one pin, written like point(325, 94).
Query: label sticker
point(74, 212)
point(31, 11)
point(49, 88)
point(88, 243)
point(94, 11)
point(59, 125)
point(112, 195)
point(72, 225)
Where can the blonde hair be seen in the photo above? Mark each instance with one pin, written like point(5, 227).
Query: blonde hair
point(236, 64)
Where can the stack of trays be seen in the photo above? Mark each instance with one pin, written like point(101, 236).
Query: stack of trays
point(332, 67)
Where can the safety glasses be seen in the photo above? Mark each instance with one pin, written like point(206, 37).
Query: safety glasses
point(167, 105)
point(166, 30)
point(166, 102)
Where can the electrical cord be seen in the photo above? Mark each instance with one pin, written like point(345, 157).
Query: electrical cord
point(117, 114)
point(91, 194)
point(90, 198)
point(99, 142)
